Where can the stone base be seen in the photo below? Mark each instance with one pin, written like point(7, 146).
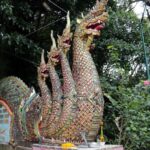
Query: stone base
point(104, 147)
point(48, 147)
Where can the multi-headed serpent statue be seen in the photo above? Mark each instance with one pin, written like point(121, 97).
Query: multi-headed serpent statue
point(74, 107)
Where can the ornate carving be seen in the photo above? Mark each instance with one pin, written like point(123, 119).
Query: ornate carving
point(75, 107)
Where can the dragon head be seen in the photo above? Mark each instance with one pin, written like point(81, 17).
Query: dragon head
point(32, 106)
point(34, 113)
point(42, 69)
point(53, 55)
point(93, 22)
point(64, 41)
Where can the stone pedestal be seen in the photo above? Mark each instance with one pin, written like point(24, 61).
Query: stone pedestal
point(48, 147)
point(104, 147)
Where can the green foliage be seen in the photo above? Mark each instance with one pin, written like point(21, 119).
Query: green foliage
point(120, 47)
point(16, 22)
point(15, 17)
point(127, 114)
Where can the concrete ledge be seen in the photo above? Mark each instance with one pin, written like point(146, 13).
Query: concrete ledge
point(48, 147)
point(105, 147)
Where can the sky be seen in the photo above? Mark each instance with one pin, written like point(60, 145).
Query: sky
point(139, 8)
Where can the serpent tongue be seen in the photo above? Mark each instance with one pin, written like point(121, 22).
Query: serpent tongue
point(99, 27)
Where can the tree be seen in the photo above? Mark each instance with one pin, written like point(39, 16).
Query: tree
point(24, 31)
point(120, 47)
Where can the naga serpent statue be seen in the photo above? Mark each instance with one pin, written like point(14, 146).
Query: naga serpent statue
point(66, 110)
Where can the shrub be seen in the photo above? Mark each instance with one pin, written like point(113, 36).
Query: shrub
point(127, 116)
